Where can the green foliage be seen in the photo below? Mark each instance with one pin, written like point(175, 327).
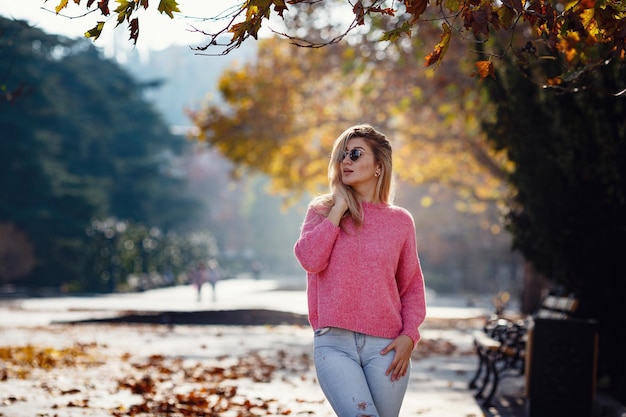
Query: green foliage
point(568, 215)
point(118, 249)
point(79, 143)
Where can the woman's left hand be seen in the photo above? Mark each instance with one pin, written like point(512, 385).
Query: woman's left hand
point(403, 346)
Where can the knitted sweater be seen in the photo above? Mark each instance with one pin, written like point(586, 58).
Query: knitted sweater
point(368, 279)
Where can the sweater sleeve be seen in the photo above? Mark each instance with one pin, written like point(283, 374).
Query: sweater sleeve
point(315, 245)
point(411, 287)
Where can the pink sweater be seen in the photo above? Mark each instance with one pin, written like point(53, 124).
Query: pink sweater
point(367, 280)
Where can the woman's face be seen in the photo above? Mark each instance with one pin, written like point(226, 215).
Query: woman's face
point(361, 172)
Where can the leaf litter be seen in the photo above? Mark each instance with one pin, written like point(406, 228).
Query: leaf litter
point(177, 371)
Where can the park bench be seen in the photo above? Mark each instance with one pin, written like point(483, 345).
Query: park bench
point(501, 345)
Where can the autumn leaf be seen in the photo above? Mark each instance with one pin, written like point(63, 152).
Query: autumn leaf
point(134, 30)
point(359, 12)
point(280, 7)
point(395, 34)
point(386, 11)
point(124, 10)
point(95, 31)
point(452, 5)
point(103, 5)
point(478, 20)
point(24, 359)
point(62, 5)
point(256, 11)
point(485, 69)
point(515, 5)
point(587, 18)
point(506, 16)
point(415, 8)
point(238, 30)
point(437, 54)
point(169, 7)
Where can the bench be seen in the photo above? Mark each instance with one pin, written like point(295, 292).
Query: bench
point(501, 344)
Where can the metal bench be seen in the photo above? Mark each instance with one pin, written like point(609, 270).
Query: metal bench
point(502, 343)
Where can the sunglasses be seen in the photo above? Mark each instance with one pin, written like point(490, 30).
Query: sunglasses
point(353, 153)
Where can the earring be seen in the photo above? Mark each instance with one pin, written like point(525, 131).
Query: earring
point(376, 174)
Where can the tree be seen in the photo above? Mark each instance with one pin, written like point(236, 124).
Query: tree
point(82, 144)
point(567, 216)
point(280, 113)
point(586, 33)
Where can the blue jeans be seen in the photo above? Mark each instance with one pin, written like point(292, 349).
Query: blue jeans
point(351, 373)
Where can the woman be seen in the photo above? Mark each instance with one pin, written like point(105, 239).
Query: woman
point(364, 281)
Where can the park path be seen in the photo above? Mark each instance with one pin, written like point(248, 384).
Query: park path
point(438, 385)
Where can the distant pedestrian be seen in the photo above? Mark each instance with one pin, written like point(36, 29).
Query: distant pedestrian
point(198, 278)
point(213, 274)
point(365, 287)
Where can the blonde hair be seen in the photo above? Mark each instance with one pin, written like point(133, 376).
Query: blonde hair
point(381, 148)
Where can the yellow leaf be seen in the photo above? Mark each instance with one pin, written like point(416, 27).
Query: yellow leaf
point(62, 5)
point(436, 56)
point(95, 31)
point(124, 10)
point(169, 7)
point(589, 22)
point(452, 5)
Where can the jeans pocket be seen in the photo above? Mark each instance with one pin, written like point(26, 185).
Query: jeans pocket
point(321, 331)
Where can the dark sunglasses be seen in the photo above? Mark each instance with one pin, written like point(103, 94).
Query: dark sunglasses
point(353, 153)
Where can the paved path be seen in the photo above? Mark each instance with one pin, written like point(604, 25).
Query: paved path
point(438, 386)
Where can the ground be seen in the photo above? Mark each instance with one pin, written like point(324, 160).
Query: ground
point(160, 353)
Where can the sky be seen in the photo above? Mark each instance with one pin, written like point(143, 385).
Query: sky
point(156, 31)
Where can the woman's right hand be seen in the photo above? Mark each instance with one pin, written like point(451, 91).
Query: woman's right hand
point(339, 200)
point(339, 208)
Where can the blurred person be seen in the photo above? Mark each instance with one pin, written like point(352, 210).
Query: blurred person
point(365, 287)
point(198, 278)
point(213, 274)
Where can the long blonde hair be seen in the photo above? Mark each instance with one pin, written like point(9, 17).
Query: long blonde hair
point(381, 148)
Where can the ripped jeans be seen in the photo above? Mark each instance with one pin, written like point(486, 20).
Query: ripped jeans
point(351, 373)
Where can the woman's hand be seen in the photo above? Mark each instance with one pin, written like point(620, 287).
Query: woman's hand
point(403, 346)
point(340, 205)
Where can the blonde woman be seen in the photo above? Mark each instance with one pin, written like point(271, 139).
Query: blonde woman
point(365, 287)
